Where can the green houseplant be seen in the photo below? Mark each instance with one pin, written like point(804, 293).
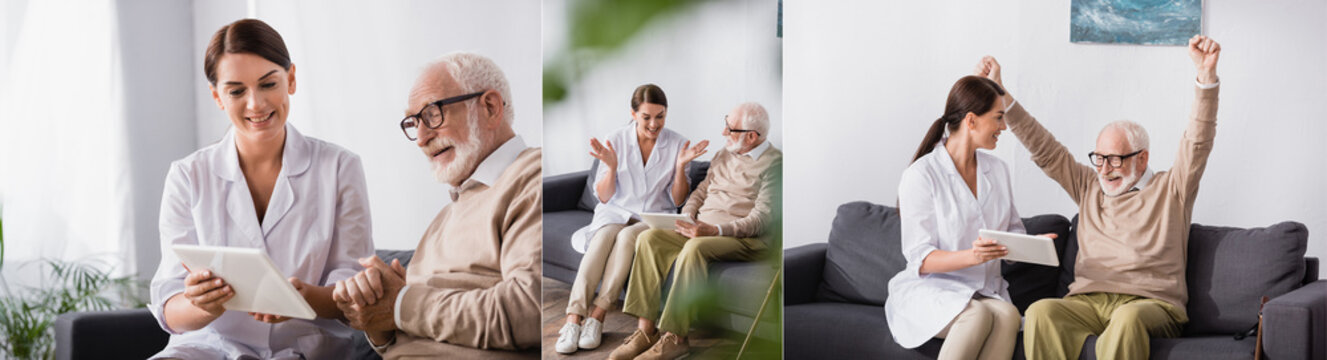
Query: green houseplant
point(27, 315)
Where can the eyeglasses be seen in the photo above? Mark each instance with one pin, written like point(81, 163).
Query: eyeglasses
point(729, 129)
point(431, 115)
point(1115, 160)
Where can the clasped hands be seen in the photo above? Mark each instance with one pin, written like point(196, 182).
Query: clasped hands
point(368, 298)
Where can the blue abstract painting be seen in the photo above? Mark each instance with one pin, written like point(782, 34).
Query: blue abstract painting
point(1144, 22)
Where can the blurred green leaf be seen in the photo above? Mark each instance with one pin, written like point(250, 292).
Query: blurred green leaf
point(26, 317)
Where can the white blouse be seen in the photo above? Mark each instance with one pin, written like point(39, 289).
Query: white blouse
point(938, 212)
point(641, 186)
point(316, 226)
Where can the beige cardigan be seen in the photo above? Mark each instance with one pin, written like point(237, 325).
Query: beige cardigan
point(475, 277)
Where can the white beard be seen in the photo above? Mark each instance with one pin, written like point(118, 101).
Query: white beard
point(465, 158)
point(732, 147)
point(1126, 182)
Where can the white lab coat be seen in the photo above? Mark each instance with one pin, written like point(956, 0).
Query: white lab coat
point(316, 226)
point(641, 187)
point(938, 212)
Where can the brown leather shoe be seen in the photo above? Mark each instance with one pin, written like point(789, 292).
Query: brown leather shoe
point(669, 347)
point(635, 344)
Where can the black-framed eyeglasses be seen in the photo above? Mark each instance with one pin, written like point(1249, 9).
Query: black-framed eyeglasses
point(729, 129)
point(431, 115)
point(1114, 160)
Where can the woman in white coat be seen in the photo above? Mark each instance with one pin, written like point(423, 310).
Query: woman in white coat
point(264, 185)
point(648, 175)
point(951, 288)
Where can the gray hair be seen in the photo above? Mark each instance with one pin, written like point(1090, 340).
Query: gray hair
point(754, 117)
point(1134, 133)
point(474, 72)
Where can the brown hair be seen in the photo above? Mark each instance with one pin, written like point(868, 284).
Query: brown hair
point(648, 93)
point(970, 94)
point(250, 36)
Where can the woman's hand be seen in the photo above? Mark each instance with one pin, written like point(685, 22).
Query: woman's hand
point(984, 250)
point(303, 290)
point(690, 153)
point(207, 292)
point(990, 69)
point(604, 152)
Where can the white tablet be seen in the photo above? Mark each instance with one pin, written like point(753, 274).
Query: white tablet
point(664, 221)
point(259, 286)
point(1024, 248)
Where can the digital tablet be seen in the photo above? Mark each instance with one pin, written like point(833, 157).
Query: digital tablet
point(1024, 248)
point(259, 286)
point(664, 221)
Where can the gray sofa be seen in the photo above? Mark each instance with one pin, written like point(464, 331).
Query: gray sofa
point(134, 333)
point(568, 205)
point(835, 291)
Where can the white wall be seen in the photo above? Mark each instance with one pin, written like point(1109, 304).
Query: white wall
point(355, 65)
point(156, 65)
point(708, 59)
point(864, 80)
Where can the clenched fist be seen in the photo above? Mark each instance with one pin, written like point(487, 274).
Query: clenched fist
point(1204, 51)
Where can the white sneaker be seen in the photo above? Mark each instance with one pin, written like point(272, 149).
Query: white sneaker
point(567, 338)
point(591, 333)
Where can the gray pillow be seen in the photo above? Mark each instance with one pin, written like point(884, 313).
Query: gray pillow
point(1031, 282)
point(864, 253)
point(1230, 269)
point(588, 199)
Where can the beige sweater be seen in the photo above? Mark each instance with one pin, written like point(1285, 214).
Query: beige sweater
point(737, 192)
point(475, 277)
point(1134, 243)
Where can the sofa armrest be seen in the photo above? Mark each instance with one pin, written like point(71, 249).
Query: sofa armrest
point(563, 192)
point(803, 269)
point(1295, 323)
point(117, 334)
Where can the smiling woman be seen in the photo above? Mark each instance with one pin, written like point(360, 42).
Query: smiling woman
point(264, 185)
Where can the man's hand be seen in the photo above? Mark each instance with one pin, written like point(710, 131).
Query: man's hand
point(368, 299)
point(700, 228)
point(1204, 51)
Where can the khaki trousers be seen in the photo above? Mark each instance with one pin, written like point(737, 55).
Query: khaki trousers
point(1056, 328)
point(608, 258)
point(986, 329)
point(659, 250)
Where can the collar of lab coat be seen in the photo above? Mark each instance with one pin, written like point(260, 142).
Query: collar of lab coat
point(952, 169)
point(294, 157)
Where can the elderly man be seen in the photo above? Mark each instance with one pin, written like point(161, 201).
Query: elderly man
point(474, 282)
point(731, 210)
point(1133, 228)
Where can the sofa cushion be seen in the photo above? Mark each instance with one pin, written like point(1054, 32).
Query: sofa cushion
point(1230, 269)
point(1068, 256)
point(558, 227)
point(588, 199)
point(863, 254)
point(845, 331)
point(1031, 282)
